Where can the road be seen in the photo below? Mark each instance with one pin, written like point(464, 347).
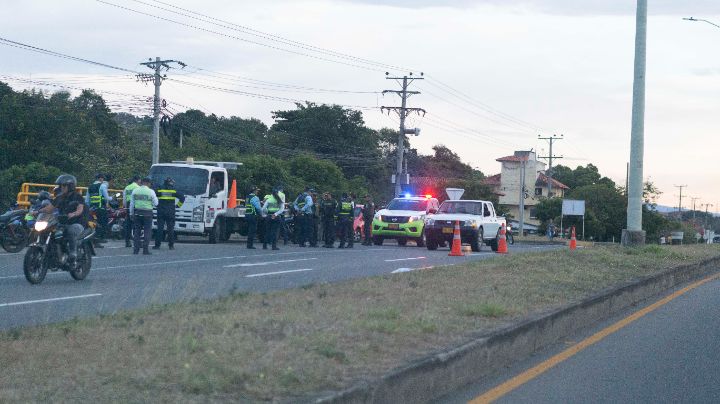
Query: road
point(669, 354)
point(197, 270)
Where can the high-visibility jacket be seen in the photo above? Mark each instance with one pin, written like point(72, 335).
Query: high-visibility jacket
point(128, 192)
point(273, 205)
point(142, 198)
point(346, 208)
point(249, 207)
point(168, 199)
point(96, 198)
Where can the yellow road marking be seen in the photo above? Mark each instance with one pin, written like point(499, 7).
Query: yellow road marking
point(524, 377)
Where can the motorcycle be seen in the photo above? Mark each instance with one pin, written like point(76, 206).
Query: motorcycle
point(48, 250)
point(509, 236)
point(13, 230)
point(116, 219)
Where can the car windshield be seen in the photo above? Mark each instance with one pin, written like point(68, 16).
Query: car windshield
point(189, 181)
point(407, 204)
point(472, 208)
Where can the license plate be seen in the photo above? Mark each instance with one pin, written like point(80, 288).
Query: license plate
point(393, 226)
point(448, 230)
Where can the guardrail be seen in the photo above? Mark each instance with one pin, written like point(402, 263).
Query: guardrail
point(30, 189)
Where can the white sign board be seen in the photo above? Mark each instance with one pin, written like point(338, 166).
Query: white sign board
point(572, 207)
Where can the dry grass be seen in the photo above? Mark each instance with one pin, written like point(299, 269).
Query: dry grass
point(291, 344)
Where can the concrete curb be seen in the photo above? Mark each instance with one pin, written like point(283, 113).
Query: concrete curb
point(445, 371)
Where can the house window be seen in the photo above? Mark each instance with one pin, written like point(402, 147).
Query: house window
point(533, 213)
point(538, 191)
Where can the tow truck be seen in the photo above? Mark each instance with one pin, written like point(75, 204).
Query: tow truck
point(403, 220)
point(479, 225)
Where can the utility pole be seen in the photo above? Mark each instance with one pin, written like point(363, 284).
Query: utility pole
point(680, 202)
point(550, 158)
point(157, 79)
point(693, 205)
point(521, 201)
point(181, 136)
point(403, 111)
point(634, 234)
point(706, 213)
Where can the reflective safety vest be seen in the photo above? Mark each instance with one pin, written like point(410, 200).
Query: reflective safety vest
point(168, 195)
point(346, 208)
point(249, 208)
point(96, 198)
point(128, 191)
point(273, 205)
point(142, 198)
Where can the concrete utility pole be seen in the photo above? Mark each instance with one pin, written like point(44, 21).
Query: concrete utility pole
point(403, 111)
point(706, 213)
point(693, 205)
point(550, 158)
point(634, 234)
point(521, 201)
point(680, 202)
point(157, 79)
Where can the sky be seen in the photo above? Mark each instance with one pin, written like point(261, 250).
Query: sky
point(497, 73)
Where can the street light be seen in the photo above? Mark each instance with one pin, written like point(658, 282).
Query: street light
point(701, 20)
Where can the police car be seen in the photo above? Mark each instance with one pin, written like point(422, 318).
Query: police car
point(404, 219)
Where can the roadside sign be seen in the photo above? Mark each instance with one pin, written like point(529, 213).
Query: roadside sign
point(571, 207)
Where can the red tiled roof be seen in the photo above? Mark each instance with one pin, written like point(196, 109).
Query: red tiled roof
point(492, 180)
point(513, 158)
point(543, 180)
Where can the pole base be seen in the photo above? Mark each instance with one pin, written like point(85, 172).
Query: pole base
point(632, 238)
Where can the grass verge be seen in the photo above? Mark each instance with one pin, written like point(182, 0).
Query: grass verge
point(290, 344)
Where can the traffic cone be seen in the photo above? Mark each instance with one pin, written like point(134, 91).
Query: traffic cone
point(502, 242)
point(232, 198)
point(573, 241)
point(456, 250)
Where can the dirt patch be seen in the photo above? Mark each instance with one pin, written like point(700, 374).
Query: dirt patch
point(292, 344)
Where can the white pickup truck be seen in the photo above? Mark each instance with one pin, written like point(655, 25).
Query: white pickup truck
point(479, 225)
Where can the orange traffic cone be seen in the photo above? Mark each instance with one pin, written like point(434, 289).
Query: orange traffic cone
point(573, 241)
point(456, 250)
point(502, 242)
point(232, 198)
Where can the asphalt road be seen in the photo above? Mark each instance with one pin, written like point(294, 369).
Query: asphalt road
point(671, 354)
point(195, 269)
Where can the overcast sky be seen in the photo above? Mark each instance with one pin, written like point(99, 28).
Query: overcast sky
point(528, 68)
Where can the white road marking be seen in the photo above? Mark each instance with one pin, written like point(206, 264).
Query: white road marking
point(254, 264)
point(400, 270)
point(55, 299)
point(279, 272)
point(406, 259)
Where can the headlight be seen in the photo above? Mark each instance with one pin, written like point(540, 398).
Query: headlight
point(413, 219)
point(429, 222)
point(40, 226)
point(198, 213)
point(471, 223)
point(377, 216)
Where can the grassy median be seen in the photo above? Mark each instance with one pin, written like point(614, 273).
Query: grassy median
point(295, 343)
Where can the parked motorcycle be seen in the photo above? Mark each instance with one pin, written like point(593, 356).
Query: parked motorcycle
point(13, 230)
point(48, 250)
point(116, 219)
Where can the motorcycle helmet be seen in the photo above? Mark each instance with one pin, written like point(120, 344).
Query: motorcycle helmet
point(67, 179)
point(43, 195)
point(169, 181)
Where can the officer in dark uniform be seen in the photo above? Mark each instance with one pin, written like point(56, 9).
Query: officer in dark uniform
point(328, 206)
point(99, 201)
point(314, 220)
point(253, 211)
point(168, 199)
point(345, 211)
point(368, 213)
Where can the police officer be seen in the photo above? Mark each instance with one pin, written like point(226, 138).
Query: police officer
point(168, 199)
point(284, 232)
point(98, 199)
point(345, 210)
point(127, 192)
point(142, 200)
point(274, 209)
point(304, 206)
point(314, 220)
point(368, 213)
point(253, 211)
point(328, 207)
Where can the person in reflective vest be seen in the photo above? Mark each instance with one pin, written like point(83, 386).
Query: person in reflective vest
point(274, 208)
point(284, 231)
point(142, 201)
point(168, 199)
point(253, 211)
point(304, 207)
point(127, 192)
point(99, 201)
point(328, 207)
point(345, 210)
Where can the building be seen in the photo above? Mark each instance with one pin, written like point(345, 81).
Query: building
point(507, 184)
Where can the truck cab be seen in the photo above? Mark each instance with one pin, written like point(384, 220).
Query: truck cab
point(403, 219)
point(205, 186)
point(478, 222)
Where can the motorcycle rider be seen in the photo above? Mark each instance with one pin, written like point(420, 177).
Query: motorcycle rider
point(70, 203)
point(168, 199)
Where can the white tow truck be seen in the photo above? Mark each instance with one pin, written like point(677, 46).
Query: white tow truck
point(479, 225)
point(205, 186)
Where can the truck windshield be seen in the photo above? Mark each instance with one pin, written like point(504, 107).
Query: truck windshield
point(472, 208)
point(189, 181)
point(407, 204)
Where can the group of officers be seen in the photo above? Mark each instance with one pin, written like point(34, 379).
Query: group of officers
point(307, 213)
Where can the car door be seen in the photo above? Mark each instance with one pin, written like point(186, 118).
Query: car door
point(490, 220)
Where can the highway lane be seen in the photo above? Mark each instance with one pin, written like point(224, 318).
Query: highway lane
point(665, 352)
point(120, 280)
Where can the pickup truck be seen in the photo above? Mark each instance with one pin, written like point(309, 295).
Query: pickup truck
point(479, 225)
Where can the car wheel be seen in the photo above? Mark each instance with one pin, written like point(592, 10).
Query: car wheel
point(357, 235)
point(494, 243)
point(431, 243)
point(477, 241)
point(422, 240)
point(378, 240)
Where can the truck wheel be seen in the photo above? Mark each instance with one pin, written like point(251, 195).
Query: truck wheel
point(226, 233)
point(494, 243)
point(421, 241)
point(378, 240)
point(431, 243)
point(402, 241)
point(216, 232)
point(477, 241)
